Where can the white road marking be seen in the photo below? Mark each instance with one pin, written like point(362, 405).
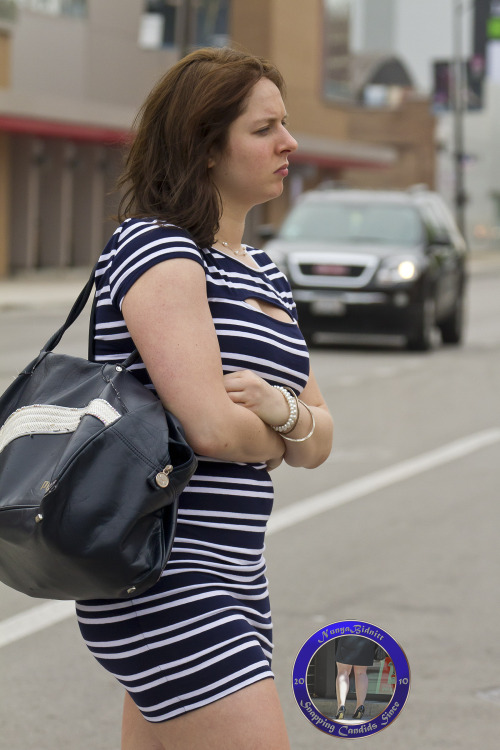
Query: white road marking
point(346, 493)
point(34, 619)
point(492, 695)
point(51, 612)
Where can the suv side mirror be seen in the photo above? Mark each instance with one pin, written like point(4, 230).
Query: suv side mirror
point(440, 239)
point(266, 232)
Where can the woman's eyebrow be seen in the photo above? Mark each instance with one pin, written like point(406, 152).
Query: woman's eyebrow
point(271, 118)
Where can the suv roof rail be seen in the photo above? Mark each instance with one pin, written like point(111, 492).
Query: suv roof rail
point(419, 187)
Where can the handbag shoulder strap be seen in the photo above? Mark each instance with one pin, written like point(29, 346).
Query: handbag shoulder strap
point(91, 344)
point(78, 306)
point(73, 314)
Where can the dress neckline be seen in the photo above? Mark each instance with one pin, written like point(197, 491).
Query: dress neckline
point(255, 267)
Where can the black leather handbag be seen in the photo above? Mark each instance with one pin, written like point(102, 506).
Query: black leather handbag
point(91, 467)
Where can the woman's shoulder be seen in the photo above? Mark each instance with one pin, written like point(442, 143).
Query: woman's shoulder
point(144, 240)
point(136, 230)
point(139, 244)
point(261, 257)
point(268, 266)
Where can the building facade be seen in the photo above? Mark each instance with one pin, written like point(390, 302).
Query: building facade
point(74, 72)
point(348, 139)
point(427, 34)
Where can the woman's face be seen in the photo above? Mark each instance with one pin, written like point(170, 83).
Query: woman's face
point(252, 167)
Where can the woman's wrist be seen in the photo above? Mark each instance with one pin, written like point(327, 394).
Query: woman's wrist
point(293, 411)
point(311, 430)
point(293, 417)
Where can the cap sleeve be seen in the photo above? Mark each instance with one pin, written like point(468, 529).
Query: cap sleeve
point(141, 244)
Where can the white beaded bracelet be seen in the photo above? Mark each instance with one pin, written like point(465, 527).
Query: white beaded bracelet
point(313, 427)
point(293, 407)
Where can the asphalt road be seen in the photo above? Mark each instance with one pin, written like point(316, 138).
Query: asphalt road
point(413, 548)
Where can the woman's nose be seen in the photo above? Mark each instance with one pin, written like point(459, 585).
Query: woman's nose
point(290, 143)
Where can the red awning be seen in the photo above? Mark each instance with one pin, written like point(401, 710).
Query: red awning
point(64, 130)
point(321, 152)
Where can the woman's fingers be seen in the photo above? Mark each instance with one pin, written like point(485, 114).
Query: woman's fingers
point(253, 392)
point(248, 387)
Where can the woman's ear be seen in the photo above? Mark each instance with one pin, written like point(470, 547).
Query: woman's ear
point(213, 156)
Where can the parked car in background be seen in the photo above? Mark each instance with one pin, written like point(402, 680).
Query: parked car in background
point(375, 262)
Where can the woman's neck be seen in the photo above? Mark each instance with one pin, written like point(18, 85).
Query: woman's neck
point(231, 230)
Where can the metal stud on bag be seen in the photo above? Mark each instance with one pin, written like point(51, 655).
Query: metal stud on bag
point(161, 478)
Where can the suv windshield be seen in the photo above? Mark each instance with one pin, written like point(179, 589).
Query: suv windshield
point(328, 221)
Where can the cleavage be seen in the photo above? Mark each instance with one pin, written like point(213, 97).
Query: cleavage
point(270, 309)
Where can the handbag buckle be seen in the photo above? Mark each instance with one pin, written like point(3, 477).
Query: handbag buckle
point(161, 478)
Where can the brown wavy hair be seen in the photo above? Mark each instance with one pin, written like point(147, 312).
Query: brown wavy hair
point(184, 120)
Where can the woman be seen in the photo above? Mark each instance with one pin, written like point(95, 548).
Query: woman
point(215, 324)
point(358, 653)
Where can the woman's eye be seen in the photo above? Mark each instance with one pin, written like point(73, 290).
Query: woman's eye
point(267, 128)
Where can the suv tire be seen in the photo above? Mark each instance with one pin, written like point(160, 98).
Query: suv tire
point(452, 327)
point(421, 339)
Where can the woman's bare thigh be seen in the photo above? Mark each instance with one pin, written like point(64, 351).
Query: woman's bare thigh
point(250, 719)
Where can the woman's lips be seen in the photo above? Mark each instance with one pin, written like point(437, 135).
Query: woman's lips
point(282, 171)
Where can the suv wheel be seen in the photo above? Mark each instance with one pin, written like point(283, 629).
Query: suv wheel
point(452, 328)
point(421, 339)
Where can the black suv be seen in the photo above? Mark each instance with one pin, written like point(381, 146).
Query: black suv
point(374, 262)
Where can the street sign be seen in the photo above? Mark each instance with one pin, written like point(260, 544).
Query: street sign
point(472, 77)
point(493, 28)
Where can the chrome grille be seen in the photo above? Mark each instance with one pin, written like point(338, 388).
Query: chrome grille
point(331, 270)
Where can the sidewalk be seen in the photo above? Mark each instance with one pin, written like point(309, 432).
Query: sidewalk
point(483, 262)
point(42, 289)
point(59, 287)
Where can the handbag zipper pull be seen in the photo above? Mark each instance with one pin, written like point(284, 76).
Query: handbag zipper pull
point(161, 478)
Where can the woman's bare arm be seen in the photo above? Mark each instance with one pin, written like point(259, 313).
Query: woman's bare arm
point(317, 448)
point(167, 314)
point(251, 391)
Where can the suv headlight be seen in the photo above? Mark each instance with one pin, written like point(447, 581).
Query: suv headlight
point(397, 271)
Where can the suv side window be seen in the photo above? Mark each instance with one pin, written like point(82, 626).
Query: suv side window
point(436, 229)
point(449, 221)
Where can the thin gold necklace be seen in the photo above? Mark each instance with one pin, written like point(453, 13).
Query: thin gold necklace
point(241, 250)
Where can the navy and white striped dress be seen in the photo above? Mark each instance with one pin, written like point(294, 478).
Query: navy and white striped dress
point(204, 630)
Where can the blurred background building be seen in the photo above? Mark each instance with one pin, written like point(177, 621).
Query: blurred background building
point(74, 72)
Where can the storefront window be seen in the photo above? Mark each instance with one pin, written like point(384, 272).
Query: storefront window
point(336, 49)
point(77, 8)
point(187, 23)
point(8, 10)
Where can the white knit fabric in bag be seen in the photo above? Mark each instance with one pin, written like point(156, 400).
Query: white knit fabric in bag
point(45, 419)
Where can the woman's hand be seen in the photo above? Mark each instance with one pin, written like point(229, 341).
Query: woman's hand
point(256, 394)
